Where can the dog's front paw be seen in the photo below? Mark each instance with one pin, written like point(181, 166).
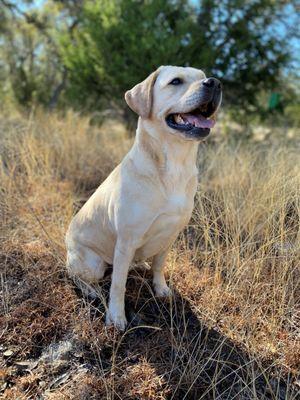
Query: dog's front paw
point(118, 320)
point(162, 290)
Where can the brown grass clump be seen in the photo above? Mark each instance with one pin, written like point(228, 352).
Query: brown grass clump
point(232, 327)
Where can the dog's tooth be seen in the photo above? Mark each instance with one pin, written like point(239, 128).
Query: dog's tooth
point(179, 119)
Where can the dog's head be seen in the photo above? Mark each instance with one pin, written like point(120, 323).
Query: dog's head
point(181, 99)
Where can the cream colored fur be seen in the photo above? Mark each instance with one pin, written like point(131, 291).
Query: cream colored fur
point(138, 211)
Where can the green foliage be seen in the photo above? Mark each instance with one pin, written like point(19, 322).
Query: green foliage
point(245, 50)
point(29, 61)
point(88, 53)
point(117, 44)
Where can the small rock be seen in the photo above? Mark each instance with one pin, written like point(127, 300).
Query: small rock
point(8, 353)
point(3, 387)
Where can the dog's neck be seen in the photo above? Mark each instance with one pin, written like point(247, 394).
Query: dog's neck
point(167, 153)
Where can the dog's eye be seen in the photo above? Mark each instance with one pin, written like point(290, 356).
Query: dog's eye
point(176, 81)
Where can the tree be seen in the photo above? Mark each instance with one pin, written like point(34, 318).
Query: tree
point(87, 53)
point(248, 45)
point(29, 60)
point(118, 43)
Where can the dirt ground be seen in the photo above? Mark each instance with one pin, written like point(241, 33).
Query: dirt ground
point(232, 327)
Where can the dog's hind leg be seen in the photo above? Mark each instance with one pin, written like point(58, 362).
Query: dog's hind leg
point(86, 268)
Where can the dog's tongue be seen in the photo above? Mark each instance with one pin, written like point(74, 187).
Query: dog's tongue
point(198, 120)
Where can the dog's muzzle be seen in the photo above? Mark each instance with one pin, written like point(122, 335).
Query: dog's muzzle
point(210, 96)
point(203, 104)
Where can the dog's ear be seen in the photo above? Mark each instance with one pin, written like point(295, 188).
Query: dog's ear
point(139, 98)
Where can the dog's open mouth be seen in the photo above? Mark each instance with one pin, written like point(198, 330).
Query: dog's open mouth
point(196, 123)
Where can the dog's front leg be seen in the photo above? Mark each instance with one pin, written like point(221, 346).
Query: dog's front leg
point(123, 256)
point(159, 282)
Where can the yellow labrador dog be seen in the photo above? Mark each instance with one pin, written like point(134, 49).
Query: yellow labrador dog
point(138, 211)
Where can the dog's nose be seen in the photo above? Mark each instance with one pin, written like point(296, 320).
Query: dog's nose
point(212, 83)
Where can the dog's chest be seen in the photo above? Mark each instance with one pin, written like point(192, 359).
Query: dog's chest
point(180, 199)
point(169, 221)
point(172, 217)
point(176, 212)
point(178, 204)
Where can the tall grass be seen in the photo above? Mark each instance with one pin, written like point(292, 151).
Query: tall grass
point(232, 328)
point(245, 238)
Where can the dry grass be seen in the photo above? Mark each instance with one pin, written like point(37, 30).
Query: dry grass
point(232, 328)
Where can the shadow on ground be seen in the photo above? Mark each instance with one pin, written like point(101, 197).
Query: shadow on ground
point(57, 347)
point(192, 361)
